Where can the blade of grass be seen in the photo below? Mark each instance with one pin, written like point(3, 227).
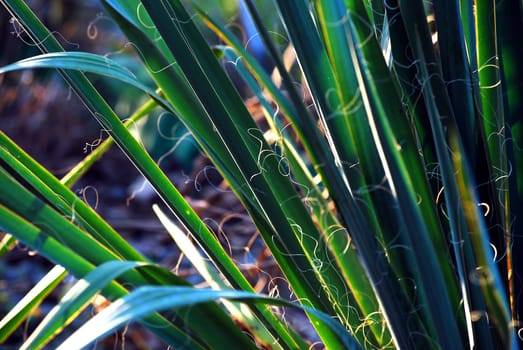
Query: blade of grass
point(215, 281)
point(410, 88)
point(510, 26)
point(145, 300)
point(467, 12)
point(490, 87)
point(83, 61)
point(487, 274)
point(75, 300)
point(494, 123)
point(456, 71)
point(30, 301)
point(6, 244)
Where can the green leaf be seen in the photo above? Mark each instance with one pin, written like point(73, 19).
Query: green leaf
point(146, 300)
point(486, 274)
point(21, 311)
point(215, 281)
point(6, 244)
point(85, 62)
point(75, 300)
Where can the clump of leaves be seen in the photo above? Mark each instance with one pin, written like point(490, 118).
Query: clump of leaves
point(389, 203)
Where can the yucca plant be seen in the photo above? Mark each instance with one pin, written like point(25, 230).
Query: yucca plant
point(389, 202)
